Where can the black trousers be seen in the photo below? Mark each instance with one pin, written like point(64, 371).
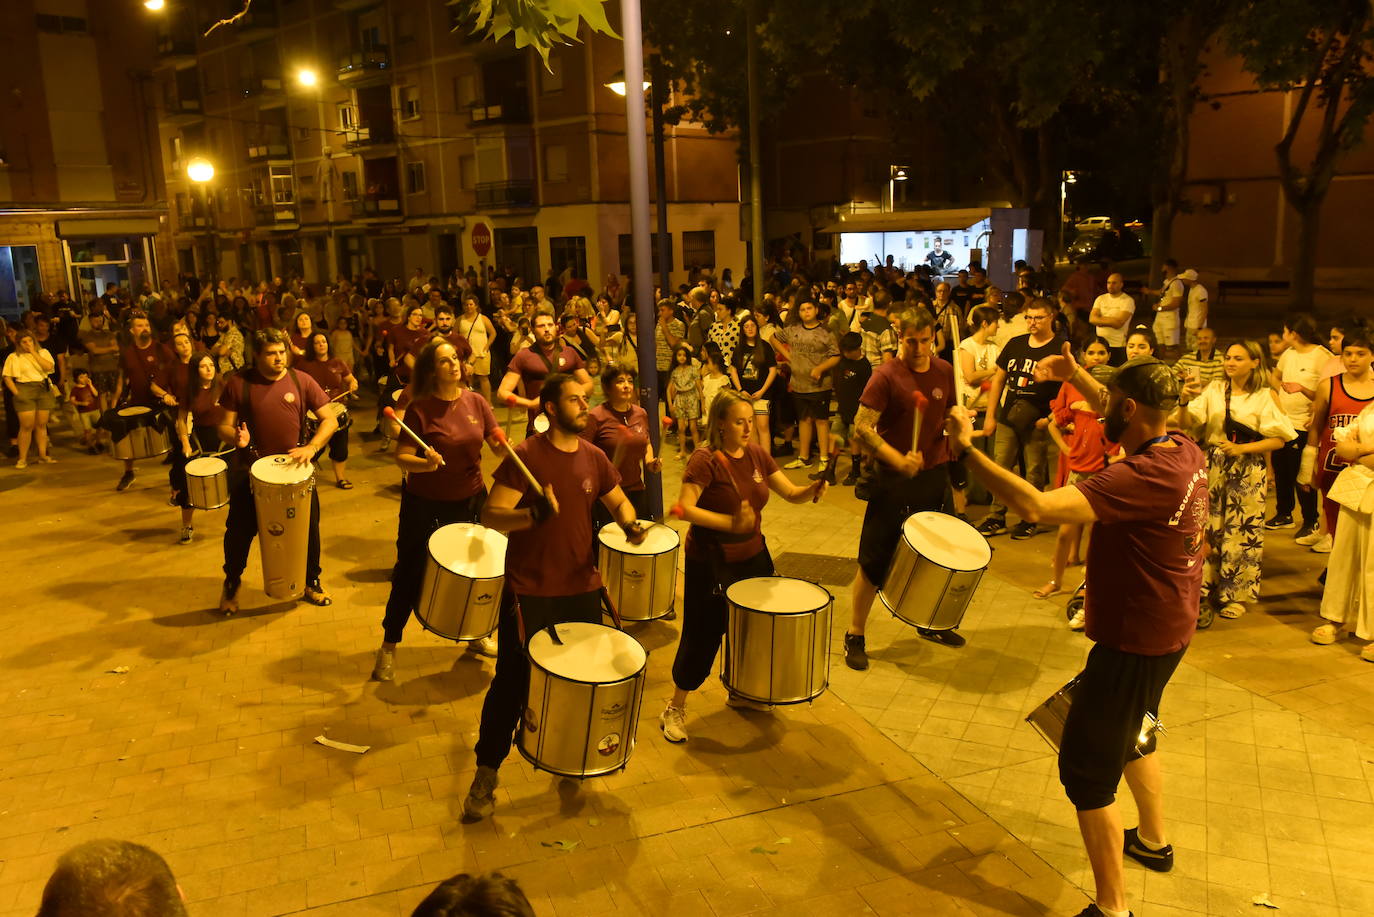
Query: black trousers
point(505, 698)
point(241, 527)
point(891, 502)
point(420, 517)
point(1287, 460)
point(705, 613)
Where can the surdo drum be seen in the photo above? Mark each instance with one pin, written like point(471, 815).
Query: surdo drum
point(641, 578)
point(460, 595)
point(281, 495)
point(207, 482)
point(582, 708)
point(145, 436)
point(777, 640)
point(938, 563)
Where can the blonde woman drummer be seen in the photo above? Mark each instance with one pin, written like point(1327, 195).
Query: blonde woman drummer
point(724, 489)
point(443, 484)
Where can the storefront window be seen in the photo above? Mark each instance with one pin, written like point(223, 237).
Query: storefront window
point(20, 282)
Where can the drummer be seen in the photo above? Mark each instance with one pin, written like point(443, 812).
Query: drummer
point(909, 480)
point(725, 543)
point(530, 366)
point(269, 421)
point(550, 567)
point(620, 428)
point(140, 379)
point(443, 484)
point(197, 430)
point(176, 379)
point(338, 383)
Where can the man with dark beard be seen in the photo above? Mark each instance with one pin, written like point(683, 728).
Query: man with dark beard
point(546, 356)
point(550, 567)
point(141, 379)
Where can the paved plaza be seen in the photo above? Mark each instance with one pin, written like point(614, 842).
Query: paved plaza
point(131, 710)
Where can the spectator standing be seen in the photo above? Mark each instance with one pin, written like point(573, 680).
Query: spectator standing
point(1195, 316)
point(1299, 376)
point(812, 352)
point(1111, 315)
point(27, 374)
point(1202, 361)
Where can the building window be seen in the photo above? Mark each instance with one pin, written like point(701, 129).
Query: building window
point(467, 172)
point(699, 248)
point(349, 180)
point(346, 119)
point(410, 103)
point(627, 253)
point(464, 92)
point(555, 163)
point(61, 25)
point(566, 250)
point(415, 177)
point(551, 79)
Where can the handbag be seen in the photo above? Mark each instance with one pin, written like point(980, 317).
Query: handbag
point(47, 379)
point(1353, 489)
point(1234, 430)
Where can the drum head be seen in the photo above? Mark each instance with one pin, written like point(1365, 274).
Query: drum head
point(469, 550)
point(134, 411)
point(591, 653)
point(206, 467)
point(279, 469)
point(778, 595)
point(948, 541)
point(658, 539)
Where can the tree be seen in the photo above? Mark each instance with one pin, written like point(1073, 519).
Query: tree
point(539, 24)
point(1319, 50)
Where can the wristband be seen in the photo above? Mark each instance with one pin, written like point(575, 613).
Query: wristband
point(540, 509)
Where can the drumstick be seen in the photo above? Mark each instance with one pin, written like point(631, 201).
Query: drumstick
point(510, 450)
point(390, 414)
point(918, 405)
point(958, 362)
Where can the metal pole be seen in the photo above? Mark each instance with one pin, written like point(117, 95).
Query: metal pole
point(751, 40)
point(632, 31)
point(665, 252)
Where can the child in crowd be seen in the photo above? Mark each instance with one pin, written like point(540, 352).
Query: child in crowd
point(713, 377)
point(85, 401)
point(593, 367)
point(851, 375)
point(684, 394)
point(341, 339)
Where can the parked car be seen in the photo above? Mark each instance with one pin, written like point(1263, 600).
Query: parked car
point(1106, 244)
point(1093, 223)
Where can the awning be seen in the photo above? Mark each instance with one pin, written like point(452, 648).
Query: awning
point(913, 220)
point(126, 226)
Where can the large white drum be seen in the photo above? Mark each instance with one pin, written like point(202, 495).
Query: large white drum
point(144, 437)
point(937, 565)
point(460, 596)
point(281, 495)
point(582, 707)
point(777, 640)
point(640, 578)
point(207, 482)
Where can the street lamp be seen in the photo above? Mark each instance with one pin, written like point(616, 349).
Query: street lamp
point(307, 77)
point(1066, 178)
point(201, 171)
point(617, 84)
point(154, 6)
point(894, 175)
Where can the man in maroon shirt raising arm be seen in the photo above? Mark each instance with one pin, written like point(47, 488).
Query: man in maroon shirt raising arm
point(264, 414)
point(531, 365)
point(550, 568)
point(1144, 577)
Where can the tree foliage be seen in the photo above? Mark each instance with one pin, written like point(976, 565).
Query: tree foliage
point(538, 24)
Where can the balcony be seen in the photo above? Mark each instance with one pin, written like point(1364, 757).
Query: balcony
point(509, 111)
point(179, 111)
point(176, 51)
point(265, 152)
point(357, 66)
point(362, 141)
point(377, 208)
point(279, 216)
point(190, 222)
point(506, 195)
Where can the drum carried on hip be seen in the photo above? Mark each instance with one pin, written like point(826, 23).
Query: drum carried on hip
point(641, 578)
point(1049, 718)
point(312, 422)
point(207, 482)
point(934, 571)
point(281, 494)
point(142, 432)
point(777, 640)
point(582, 709)
point(460, 595)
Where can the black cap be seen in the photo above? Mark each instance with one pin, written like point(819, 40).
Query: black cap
point(1149, 381)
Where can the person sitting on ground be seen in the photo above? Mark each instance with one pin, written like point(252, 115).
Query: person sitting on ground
point(112, 878)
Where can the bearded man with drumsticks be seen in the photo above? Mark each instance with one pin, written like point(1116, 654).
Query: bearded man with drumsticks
point(542, 497)
point(913, 463)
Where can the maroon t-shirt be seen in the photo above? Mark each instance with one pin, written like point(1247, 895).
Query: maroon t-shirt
point(455, 429)
point(750, 472)
point(176, 378)
point(890, 392)
point(627, 433)
point(204, 409)
point(142, 366)
point(301, 343)
point(330, 374)
point(555, 557)
point(459, 343)
point(404, 340)
point(278, 413)
point(1145, 556)
point(533, 370)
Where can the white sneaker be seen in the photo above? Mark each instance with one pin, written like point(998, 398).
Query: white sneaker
point(1323, 546)
point(1310, 539)
point(1079, 620)
point(384, 670)
point(186, 533)
point(485, 646)
point(673, 722)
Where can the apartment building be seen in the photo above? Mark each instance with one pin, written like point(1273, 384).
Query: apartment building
point(82, 203)
point(346, 134)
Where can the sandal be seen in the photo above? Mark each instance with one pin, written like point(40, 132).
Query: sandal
point(1232, 610)
point(344, 485)
point(1046, 591)
point(1326, 634)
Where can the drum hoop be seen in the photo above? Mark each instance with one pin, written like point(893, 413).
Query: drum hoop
point(610, 547)
point(581, 681)
point(935, 563)
point(782, 614)
point(829, 597)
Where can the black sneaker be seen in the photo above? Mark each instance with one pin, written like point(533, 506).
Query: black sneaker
point(1158, 860)
point(1279, 522)
point(1024, 530)
point(1309, 531)
point(1093, 910)
point(950, 638)
point(852, 478)
point(125, 481)
point(854, 654)
point(992, 525)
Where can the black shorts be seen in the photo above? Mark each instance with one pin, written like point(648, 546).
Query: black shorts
point(812, 405)
point(1114, 693)
point(893, 498)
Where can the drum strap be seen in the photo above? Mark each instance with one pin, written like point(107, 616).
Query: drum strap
point(246, 415)
point(553, 630)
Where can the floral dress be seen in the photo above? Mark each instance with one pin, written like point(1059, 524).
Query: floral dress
point(686, 403)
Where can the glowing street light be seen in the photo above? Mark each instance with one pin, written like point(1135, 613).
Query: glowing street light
point(617, 84)
point(154, 6)
point(308, 77)
point(200, 170)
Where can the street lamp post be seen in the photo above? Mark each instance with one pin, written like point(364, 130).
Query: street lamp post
point(655, 89)
point(201, 171)
point(1066, 178)
point(309, 78)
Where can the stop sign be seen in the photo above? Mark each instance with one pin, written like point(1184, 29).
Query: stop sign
point(481, 239)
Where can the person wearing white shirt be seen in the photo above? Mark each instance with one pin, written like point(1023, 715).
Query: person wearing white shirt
point(1299, 375)
point(1171, 296)
point(1111, 316)
point(1196, 317)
